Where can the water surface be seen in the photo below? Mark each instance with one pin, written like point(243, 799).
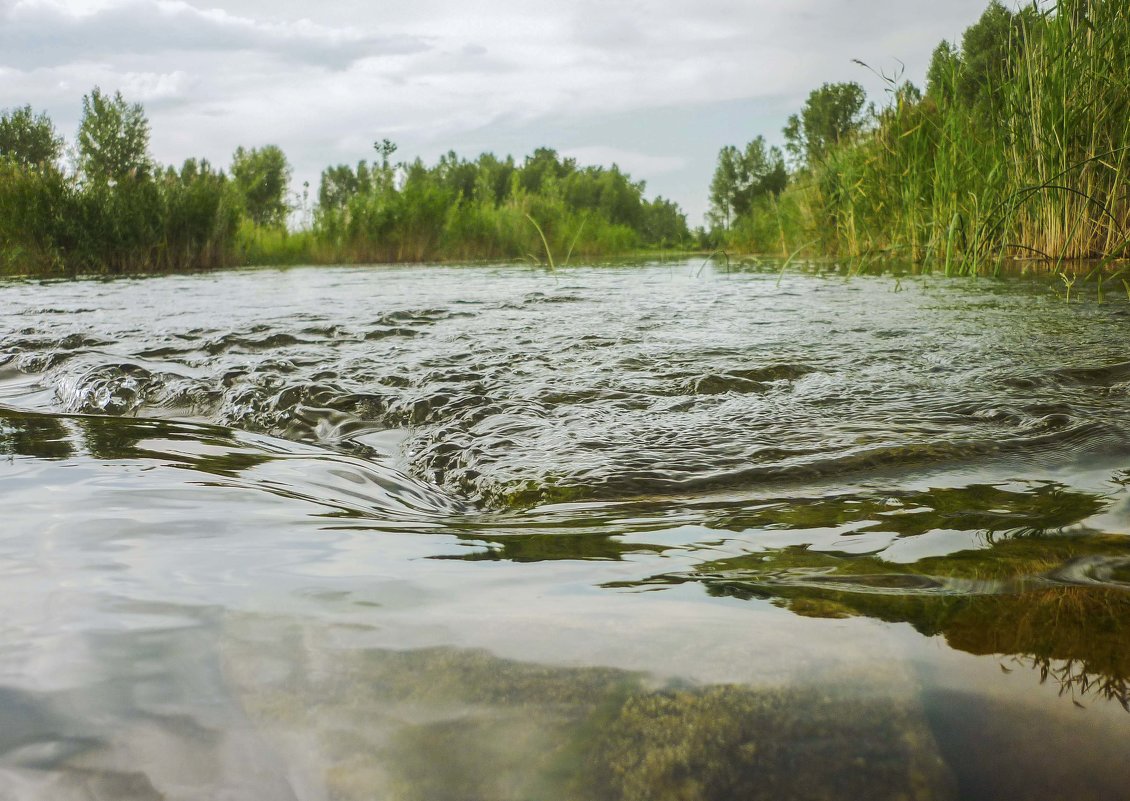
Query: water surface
point(646, 532)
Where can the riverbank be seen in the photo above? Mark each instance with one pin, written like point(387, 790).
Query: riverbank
point(113, 209)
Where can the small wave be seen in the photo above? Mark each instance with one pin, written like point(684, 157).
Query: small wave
point(348, 486)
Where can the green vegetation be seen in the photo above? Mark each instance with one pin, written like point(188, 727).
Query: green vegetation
point(114, 209)
point(547, 207)
point(1019, 147)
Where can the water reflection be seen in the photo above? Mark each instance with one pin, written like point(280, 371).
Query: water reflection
point(41, 436)
point(1015, 597)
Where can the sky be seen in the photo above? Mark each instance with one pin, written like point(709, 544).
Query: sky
point(657, 87)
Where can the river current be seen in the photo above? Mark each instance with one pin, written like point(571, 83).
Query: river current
point(642, 532)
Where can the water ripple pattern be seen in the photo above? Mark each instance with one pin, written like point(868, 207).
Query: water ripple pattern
point(511, 387)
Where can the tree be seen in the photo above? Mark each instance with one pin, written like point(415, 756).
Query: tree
point(664, 224)
point(262, 177)
point(494, 179)
point(941, 78)
point(724, 186)
point(385, 148)
point(113, 139)
point(28, 139)
point(544, 167)
point(986, 53)
point(761, 172)
point(339, 184)
point(832, 114)
point(742, 177)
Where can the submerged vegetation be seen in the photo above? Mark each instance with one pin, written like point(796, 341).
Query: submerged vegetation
point(112, 209)
point(1018, 147)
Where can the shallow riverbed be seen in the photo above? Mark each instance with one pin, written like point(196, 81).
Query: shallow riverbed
point(647, 533)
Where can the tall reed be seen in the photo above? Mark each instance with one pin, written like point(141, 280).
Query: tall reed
point(1032, 164)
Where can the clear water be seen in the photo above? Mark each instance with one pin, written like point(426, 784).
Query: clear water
point(614, 533)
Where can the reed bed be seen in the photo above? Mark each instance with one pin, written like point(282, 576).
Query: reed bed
point(1029, 163)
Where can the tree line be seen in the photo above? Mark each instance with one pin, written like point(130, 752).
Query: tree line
point(104, 204)
point(489, 207)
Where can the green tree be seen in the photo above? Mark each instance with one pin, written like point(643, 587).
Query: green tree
point(664, 224)
point(761, 172)
point(29, 139)
point(495, 177)
point(743, 176)
point(942, 77)
point(113, 139)
point(986, 52)
point(340, 183)
point(724, 186)
point(262, 177)
point(832, 114)
point(544, 168)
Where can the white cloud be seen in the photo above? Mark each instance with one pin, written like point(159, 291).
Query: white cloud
point(145, 87)
point(43, 33)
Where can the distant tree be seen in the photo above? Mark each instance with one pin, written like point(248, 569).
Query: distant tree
point(113, 139)
point(724, 186)
point(942, 77)
point(385, 148)
point(544, 167)
point(494, 177)
point(832, 114)
point(664, 224)
point(762, 172)
point(743, 176)
point(262, 177)
point(339, 184)
point(382, 178)
point(986, 52)
point(28, 139)
point(458, 174)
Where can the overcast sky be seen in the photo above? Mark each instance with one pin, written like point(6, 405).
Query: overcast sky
point(657, 87)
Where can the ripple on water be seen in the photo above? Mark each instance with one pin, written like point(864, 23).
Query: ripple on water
point(527, 538)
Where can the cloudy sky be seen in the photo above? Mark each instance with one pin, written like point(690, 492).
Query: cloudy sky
point(657, 86)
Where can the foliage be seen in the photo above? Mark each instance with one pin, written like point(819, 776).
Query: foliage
point(988, 53)
point(120, 211)
point(113, 139)
point(262, 178)
point(831, 115)
point(462, 209)
point(742, 178)
point(29, 139)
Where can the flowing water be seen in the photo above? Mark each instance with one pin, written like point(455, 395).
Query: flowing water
point(638, 533)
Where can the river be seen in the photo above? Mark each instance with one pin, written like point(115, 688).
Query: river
point(643, 532)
